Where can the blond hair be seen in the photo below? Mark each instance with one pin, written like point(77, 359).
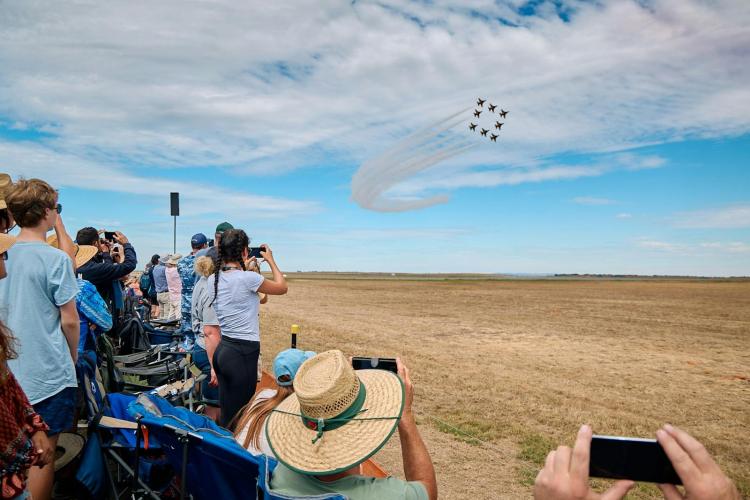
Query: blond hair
point(204, 266)
point(255, 415)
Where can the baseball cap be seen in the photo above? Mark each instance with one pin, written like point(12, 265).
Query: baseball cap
point(223, 227)
point(287, 363)
point(198, 240)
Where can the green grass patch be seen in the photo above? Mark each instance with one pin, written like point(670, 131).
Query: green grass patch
point(535, 448)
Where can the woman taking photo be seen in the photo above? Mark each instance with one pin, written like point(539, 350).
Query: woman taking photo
point(236, 302)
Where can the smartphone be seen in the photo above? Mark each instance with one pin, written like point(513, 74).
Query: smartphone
point(255, 252)
point(109, 235)
point(615, 457)
point(362, 363)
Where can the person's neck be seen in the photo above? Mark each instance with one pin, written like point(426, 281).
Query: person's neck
point(36, 233)
point(232, 264)
point(354, 471)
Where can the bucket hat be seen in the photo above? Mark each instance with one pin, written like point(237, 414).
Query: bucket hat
point(336, 418)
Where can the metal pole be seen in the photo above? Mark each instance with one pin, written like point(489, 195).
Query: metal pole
point(174, 246)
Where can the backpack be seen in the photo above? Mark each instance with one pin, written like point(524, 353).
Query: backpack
point(146, 284)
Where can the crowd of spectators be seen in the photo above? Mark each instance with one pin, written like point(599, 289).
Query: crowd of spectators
point(323, 420)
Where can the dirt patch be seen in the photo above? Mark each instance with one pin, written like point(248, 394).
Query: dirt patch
point(521, 364)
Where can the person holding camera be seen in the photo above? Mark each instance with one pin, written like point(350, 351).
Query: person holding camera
point(236, 302)
point(103, 271)
point(565, 475)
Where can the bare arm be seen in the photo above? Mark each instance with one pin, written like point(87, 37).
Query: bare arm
point(417, 462)
point(71, 327)
point(277, 284)
point(212, 335)
point(64, 241)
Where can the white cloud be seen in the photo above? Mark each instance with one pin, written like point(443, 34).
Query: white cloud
point(624, 215)
point(219, 83)
point(711, 248)
point(729, 217)
point(66, 170)
point(592, 200)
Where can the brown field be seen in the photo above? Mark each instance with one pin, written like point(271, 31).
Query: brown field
point(520, 364)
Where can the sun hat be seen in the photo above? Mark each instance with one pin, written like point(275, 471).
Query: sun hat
point(174, 259)
point(164, 258)
point(286, 364)
point(224, 226)
point(198, 240)
point(69, 446)
point(336, 418)
point(84, 253)
point(6, 241)
point(6, 183)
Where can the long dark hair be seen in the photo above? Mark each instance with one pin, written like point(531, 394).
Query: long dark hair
point(231, 246)
point(7, 350)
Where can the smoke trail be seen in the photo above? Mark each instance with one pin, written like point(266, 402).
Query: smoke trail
point(413, 154)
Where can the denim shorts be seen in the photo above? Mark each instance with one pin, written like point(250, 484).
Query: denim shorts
point(210, 394)
point(57, 411)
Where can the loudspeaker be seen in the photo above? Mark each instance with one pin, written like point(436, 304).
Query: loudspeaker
point(174, 201)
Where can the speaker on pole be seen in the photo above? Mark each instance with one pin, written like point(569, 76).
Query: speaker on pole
point(174, 199)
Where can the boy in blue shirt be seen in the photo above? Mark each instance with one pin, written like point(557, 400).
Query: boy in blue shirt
point(37, 303)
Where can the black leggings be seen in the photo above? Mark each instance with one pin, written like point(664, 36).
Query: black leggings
point(236, 367)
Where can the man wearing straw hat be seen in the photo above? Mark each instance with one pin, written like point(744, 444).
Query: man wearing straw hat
point(336, 419)
point(37, 302)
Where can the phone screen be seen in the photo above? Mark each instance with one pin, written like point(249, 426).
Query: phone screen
point(362, 363)
point(109, 235)
point(255, 252)
point(644, 460)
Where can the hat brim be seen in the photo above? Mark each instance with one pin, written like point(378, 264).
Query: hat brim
point(6, 241)
point(343, 448)
point(85, 253)
point(69, 446)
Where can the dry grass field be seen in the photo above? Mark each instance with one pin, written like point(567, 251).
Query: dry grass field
point(520, 364)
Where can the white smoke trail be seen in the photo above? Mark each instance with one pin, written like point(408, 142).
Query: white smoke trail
point(417, 152)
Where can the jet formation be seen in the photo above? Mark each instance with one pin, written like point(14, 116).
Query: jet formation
point(498, 124)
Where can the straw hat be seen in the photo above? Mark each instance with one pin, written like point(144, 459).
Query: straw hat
point(336, 418)
point(6, 183)
point(6, 241)
point(84, 253)
point(174, 259)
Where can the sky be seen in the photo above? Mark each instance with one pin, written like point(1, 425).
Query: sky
point(626, 149)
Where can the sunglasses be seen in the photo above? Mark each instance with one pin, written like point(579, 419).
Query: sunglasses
point(4, 255)
point(58, 207)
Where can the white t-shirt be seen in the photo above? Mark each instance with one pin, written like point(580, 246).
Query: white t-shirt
point(265, 448)
point(237, 304)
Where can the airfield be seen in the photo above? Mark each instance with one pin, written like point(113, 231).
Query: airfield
point(505, 369)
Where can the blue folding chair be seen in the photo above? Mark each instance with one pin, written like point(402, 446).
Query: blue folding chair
point(113, 434)
point(267, 465)
point(212, 464)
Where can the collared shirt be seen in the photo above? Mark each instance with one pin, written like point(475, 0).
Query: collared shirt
point(287, 482)
point(160, 278)
point(174, 284)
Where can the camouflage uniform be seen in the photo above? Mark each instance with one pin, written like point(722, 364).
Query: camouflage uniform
point(186, 269)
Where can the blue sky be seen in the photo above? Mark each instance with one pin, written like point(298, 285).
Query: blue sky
point(626, 149)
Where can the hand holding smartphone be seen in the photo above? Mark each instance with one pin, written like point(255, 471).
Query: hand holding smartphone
point(615, 457)
point(363, 363)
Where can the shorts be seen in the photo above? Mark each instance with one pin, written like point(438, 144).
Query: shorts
point(58, 411)
point(210, 395)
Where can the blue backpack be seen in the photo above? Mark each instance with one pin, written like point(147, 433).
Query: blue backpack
point(146, 284)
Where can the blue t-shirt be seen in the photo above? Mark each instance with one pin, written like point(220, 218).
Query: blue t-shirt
point(160, 278)
point(40, 280)
point(237, 304)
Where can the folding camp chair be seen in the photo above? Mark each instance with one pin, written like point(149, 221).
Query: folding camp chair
point(113, 434)
point(212, 464)
point(266, 467)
